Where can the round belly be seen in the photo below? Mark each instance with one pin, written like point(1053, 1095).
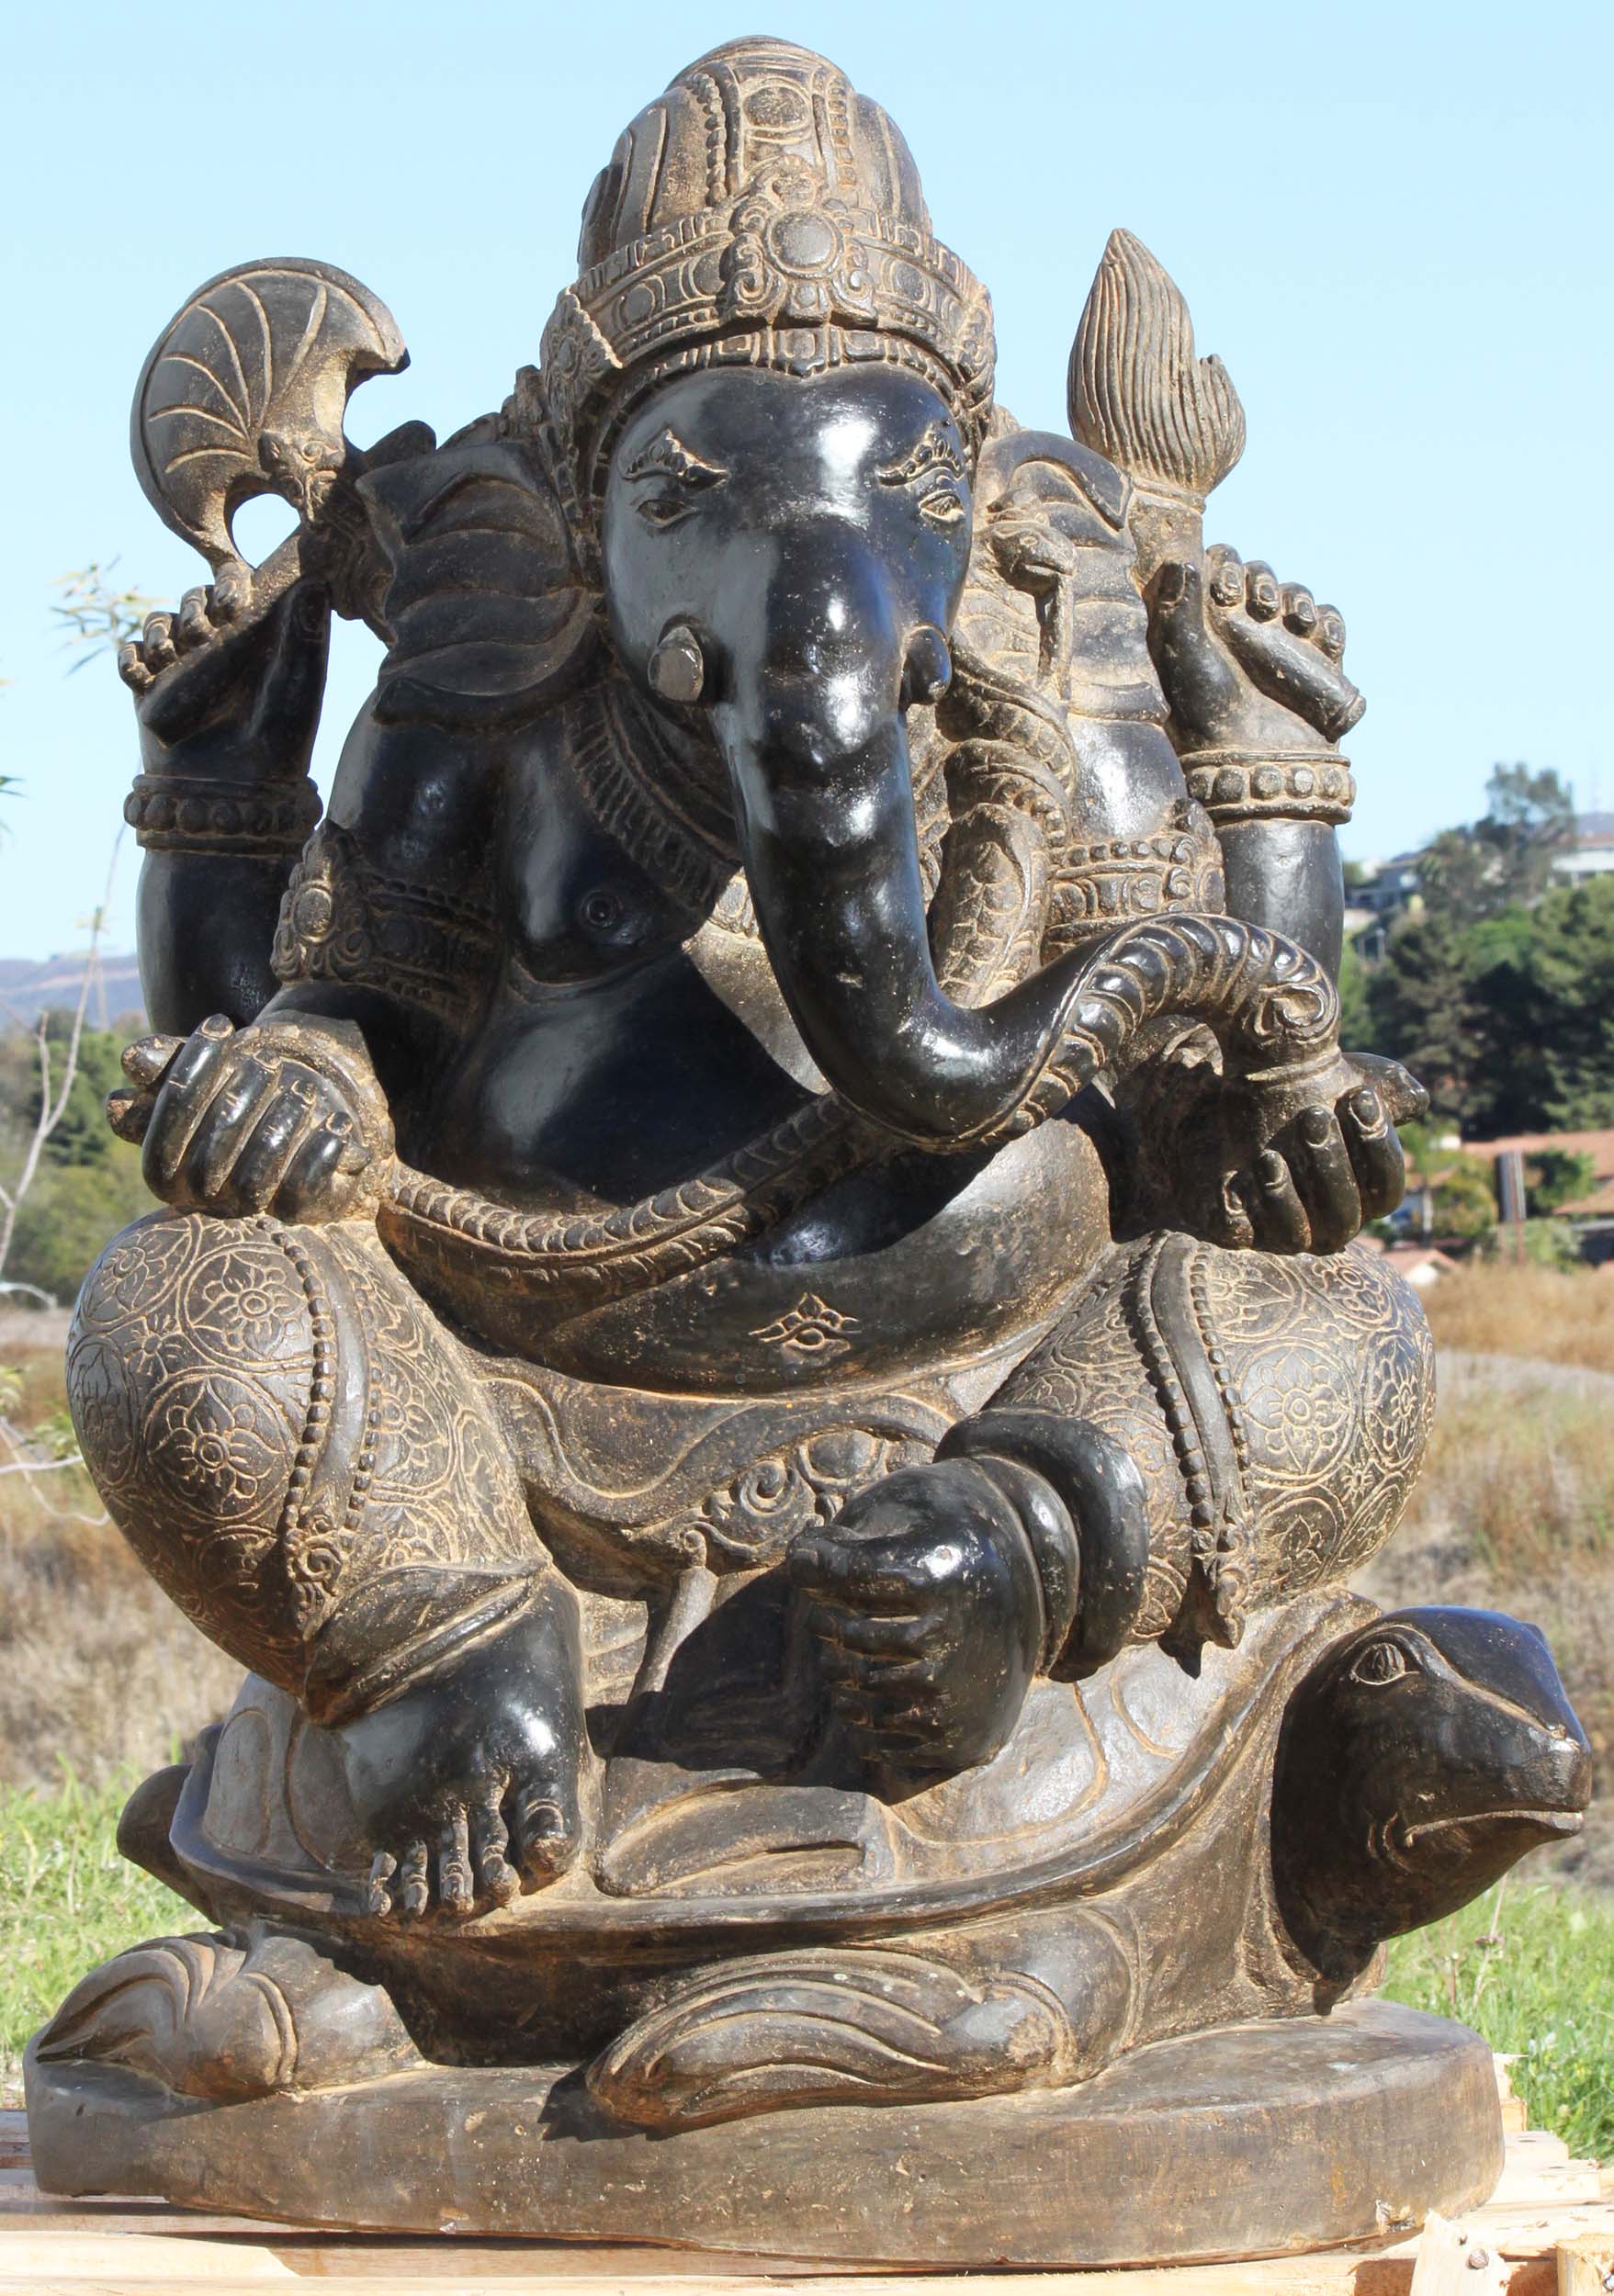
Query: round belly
point(920, 1265)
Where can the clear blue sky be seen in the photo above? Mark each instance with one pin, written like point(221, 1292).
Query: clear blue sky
point(1392, 222)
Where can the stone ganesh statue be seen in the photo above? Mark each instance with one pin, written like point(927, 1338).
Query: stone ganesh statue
point(755, 1335)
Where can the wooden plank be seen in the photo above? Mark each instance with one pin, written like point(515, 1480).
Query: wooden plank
point(130, 2270)
point(1550, 2183)
point(45, 2258)
point(1535, 2231)
point(1452, 2261)
point(1585, 2264)
point(128, 2284)
point(1514, 2119)
point(437, 2266)
point(1326, 2276)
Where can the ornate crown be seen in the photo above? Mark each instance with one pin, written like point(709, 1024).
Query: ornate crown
point(762, 214)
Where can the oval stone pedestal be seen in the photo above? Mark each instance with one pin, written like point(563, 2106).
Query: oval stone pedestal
point(1254, 2139)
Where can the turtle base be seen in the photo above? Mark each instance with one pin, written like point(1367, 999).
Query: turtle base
point(1254, 2140)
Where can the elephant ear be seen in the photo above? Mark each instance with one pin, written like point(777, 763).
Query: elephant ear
point(489, 615)
point(1010, 765)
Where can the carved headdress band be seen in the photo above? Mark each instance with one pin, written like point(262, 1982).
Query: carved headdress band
point(760, 213)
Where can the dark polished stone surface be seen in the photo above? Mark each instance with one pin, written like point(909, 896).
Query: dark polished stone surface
point(756, 1331)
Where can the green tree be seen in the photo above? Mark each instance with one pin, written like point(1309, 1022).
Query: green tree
point(80, 1134)
point(1500, 993)
point(1567, 1000)
point(1555, 1177)
point(1422, 1010)
point(1465, 1201)
point(59, 1127)
point(1355, 1020)
point(93, 615)
point(1528, 820)
point(69, 1216)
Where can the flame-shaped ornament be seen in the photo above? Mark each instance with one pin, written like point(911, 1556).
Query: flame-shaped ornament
point(1138, 396)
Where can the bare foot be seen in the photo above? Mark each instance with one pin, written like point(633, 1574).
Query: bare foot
point(467, 1785)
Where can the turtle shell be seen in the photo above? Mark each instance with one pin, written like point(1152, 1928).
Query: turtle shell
point(1100, 1778)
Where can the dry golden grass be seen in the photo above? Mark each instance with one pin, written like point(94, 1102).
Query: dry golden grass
point(98, 1672)
point(1554, 1314)
point(1526, 1466)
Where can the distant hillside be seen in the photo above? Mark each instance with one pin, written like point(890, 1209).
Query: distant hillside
point(29, 988)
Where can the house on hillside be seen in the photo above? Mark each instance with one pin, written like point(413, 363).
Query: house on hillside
point(1421, 1263)
point(1592, 854)
point(1592, 1214)
point(1377, 892)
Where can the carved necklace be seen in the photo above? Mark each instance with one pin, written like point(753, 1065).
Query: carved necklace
point(663, 796)
point(663, 801)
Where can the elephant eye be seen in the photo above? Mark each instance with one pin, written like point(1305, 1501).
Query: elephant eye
point(943, 505)
point(1380, 1662)
point(664, 509)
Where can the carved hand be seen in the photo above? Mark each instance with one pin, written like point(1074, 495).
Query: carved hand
point(1248, 663)
point(923, 1608)
point(251, 1120)
point(1212, 1164)
point(226, 697)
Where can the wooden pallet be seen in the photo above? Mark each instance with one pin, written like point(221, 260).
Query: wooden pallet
point(1548, 2230)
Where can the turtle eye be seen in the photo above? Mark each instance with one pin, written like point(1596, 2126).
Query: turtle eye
point(1380, 1662)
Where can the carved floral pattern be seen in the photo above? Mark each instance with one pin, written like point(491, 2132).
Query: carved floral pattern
point(1324, 1372)
point(753, 1519)
point(811, 1328)
point(274, 1421)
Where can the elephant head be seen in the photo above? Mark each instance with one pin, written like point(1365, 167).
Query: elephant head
point(768, 389)
point(785, 555)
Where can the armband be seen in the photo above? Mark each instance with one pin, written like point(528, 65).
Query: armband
point(187, 813)
point(1234, 787)
point(341, 920)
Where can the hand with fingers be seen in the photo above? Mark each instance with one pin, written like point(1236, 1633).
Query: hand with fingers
point(1253, 671)
point(252, 1119)
point(1332, 1168)
point(923, 1608)
point(1305, 1176)
point(227, 692)
point(1248, 663)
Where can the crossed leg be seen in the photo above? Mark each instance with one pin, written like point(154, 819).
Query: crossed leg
point(1204, 1435)
point(300, 1454)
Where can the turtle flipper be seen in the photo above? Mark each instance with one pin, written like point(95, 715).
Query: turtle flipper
point(819, 2027)
point(230, 2016)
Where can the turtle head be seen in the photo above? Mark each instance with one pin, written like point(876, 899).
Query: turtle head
point(1421, 1756)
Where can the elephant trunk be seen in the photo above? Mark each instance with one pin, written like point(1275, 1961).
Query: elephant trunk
point(811, 724)
point(825, 811)
point(811, 719)
point(831, 854)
